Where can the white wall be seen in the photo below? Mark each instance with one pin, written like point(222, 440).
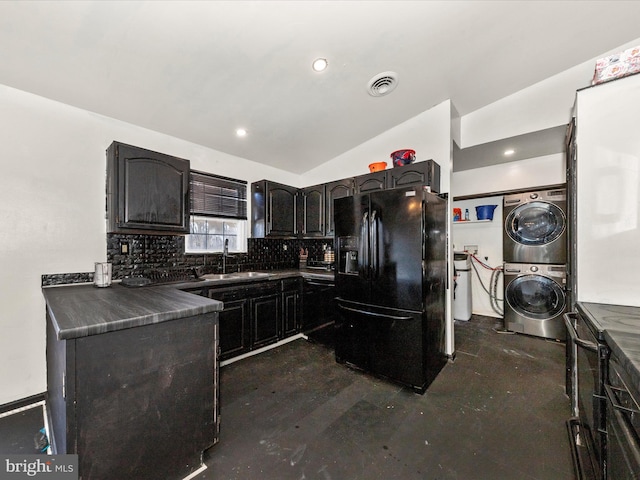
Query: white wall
point(52, 202)
point(543, 105)
point(429, 134)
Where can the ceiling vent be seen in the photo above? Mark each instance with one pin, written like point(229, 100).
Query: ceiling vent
point(382, 84)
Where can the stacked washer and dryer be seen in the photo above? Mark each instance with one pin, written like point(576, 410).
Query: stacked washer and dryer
point(535, 256)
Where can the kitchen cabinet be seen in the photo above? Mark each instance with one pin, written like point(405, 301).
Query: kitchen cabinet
point(121, 391)
point(291, 306)
point(147, 192)
point(370, 182)
point(265, 315)
point(312, 211)
point(333, 190)
point(255, 314)
point(421, 173)
point(234, 320)
point(283, 211)
point(273, 210)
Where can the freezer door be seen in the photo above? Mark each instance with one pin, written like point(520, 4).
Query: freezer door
point(390, 343)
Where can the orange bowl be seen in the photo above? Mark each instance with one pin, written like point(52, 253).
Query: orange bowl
point(377, 166)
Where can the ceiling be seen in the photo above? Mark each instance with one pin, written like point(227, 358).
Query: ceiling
point(199, 70)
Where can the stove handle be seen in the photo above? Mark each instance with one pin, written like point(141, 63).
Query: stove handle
point(568, 317)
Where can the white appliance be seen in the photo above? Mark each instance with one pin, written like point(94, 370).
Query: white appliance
point(604, 172)
point(462, 306)
point(102, 274)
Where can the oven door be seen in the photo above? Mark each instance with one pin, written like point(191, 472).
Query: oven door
point(623, 426)
point(588, 436)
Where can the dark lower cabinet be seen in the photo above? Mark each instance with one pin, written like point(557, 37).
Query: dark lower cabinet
point(291, 306)
point(256, 314)
point(265, 316)
point(233, 321)
point(137, 403)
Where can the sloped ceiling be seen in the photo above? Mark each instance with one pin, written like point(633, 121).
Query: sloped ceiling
point(198, 70)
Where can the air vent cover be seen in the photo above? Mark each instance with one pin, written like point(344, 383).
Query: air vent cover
point(382, 84)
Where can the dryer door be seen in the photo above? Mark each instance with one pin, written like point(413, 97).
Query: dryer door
point(535, 297)
point(535, 223)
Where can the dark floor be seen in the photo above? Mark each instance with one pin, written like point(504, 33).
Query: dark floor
point(19, 428)
point(497, 412)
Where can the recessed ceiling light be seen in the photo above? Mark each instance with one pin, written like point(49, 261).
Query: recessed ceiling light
point(509, 152)
point(241, 132)
point(319, 64)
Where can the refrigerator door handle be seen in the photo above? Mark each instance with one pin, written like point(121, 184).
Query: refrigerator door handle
point(364, 251)
point(373, 242)
point(373, 314)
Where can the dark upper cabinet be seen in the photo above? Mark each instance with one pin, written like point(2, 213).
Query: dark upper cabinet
point(311, 218)
point(420, 173)
point(273, 210)
point(371, 182)
point(333, 190)
point(147, 192)
point(283, 211)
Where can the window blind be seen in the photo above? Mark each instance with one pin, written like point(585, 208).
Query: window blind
point(215, 196)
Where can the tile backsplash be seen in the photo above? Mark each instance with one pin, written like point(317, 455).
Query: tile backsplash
point(150, 254)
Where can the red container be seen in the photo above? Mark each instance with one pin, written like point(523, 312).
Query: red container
point(403, 157)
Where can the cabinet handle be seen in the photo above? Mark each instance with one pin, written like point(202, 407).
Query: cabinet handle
point(373, 314)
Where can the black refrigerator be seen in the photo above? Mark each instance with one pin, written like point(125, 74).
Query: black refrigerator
point(391, 284)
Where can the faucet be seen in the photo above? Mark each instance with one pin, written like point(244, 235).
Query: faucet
point(225, 254)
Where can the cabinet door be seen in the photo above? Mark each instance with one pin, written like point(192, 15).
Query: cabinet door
point(265, 320)
point(233, 321)
point(291, 307)
point(312, 211)
point(421, 173)
point(281, 211)
point(371, 182)
point(333, 190)
point(233, 329)
point(146, 191)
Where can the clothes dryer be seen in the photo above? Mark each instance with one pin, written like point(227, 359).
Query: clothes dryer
point(535, 227)
point(535, 299)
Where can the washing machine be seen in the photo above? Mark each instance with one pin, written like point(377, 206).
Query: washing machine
point(535, 299)
point(535, 227)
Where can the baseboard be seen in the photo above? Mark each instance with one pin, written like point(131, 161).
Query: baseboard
point(22, 403)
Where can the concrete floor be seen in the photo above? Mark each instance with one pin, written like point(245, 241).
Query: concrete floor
point(496, 412)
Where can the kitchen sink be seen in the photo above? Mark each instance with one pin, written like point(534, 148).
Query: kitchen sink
point(236, 275)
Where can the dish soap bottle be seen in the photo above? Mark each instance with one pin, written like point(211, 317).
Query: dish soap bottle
point(466, 214)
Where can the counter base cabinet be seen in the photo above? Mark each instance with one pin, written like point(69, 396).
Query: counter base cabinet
point(256, 315)
point(135, 403)
point(291, 306)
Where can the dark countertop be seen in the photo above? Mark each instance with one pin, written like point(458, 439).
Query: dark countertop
point(83, 310)
point(619, 327)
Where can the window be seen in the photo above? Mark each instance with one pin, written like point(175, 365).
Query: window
point(218, 214)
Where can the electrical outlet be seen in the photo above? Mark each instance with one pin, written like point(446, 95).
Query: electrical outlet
point(284, 247)
point(471, 249)
point(124, 248)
